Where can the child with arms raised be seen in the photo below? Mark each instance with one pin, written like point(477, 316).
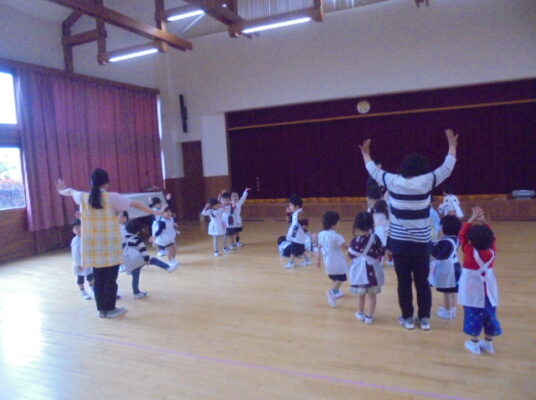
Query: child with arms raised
point(296, 234)
point(216, 227)
point(478, 291)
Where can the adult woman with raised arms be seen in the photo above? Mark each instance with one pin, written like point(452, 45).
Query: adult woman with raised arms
point(409, 235)
point(101, 237)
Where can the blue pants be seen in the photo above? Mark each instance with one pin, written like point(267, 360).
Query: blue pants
point(477, 318)
point(136, 273)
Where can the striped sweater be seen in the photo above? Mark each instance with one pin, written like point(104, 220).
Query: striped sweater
point(136, 242)
point(409, 207)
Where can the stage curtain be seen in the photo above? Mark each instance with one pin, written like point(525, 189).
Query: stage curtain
point(496, 151)
point(69, 127)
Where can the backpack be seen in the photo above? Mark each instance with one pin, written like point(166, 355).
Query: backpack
point(284, 248)
point(230, 219)
point(132, 257)
point(358, 270)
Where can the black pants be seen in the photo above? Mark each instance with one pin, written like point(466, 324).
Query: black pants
point(418, 268)
point(105, 287)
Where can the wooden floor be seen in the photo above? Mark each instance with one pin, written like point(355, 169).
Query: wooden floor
point(242, 327)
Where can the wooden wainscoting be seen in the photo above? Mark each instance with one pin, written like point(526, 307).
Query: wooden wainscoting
point(215, 184)
point(497, 207)
point(19, 242)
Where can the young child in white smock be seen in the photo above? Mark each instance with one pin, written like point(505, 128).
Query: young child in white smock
point(330, 245)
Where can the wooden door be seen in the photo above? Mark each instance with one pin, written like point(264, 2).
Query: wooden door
point(193, 193)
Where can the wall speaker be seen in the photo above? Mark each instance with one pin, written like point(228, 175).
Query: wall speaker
point(184, 114)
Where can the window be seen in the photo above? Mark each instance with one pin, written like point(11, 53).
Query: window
point(8, 111)
point(11, 182)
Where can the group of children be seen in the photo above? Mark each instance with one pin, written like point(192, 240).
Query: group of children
point(225, 215)
point(475, 281)
point(135, 255)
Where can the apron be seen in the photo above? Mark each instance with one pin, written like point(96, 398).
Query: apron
point(442, 273)
point(101, 236)
point(358, 270)
point(475, 285)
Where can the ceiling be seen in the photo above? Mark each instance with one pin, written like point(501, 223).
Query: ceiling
point(144, 11)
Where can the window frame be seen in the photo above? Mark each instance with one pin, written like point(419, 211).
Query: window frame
point(10, 136)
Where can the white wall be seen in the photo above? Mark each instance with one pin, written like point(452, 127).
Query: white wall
point(382, 48)
point(388, 47)
point(27, 38)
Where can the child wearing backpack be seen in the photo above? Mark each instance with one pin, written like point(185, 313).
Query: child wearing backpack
point(478, 290)
point(136, 257)
point(366, 273)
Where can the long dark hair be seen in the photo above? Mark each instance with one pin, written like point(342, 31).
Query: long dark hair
point(98, 178)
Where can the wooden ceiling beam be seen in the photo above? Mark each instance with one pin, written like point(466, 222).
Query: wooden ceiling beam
point(72, 19)
point(226, 15)
point(123, 21)
point(82, 38)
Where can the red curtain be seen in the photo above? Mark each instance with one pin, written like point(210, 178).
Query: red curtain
point(70, 126)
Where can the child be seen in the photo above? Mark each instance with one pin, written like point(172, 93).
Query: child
point(136, 257)
point(123, 219)
point(296, 234)
point(79, 271)
point(451, 204)
point(445, 270)
point(380, 214)
point(435, 222)
point(366, 273)
point(216, 227)
point(228, 218)
point(165, 233)
point(330, 244)
point(236, 204)
point(156, 204)
point(478, 291)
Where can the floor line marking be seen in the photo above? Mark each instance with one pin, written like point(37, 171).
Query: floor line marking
point(260, 367)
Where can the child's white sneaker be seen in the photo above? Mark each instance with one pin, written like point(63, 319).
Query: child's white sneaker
point(444, 313)
point(473, 347)
point(162, 253)
point(332, 300)
point(140, 295)
point(306, 262)
point(239, 244)
point(226, 250)
point(407, 323)
point(290, 265)
point(85, 295)
point(487, 346)
point(173, 266)
point(360, 316)
point(339, 294)
point(368, 320)
point(216, 253)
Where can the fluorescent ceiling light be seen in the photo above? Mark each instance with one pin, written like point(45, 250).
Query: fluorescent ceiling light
point(276, 25)
point(133, 55)
point(185, 15)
